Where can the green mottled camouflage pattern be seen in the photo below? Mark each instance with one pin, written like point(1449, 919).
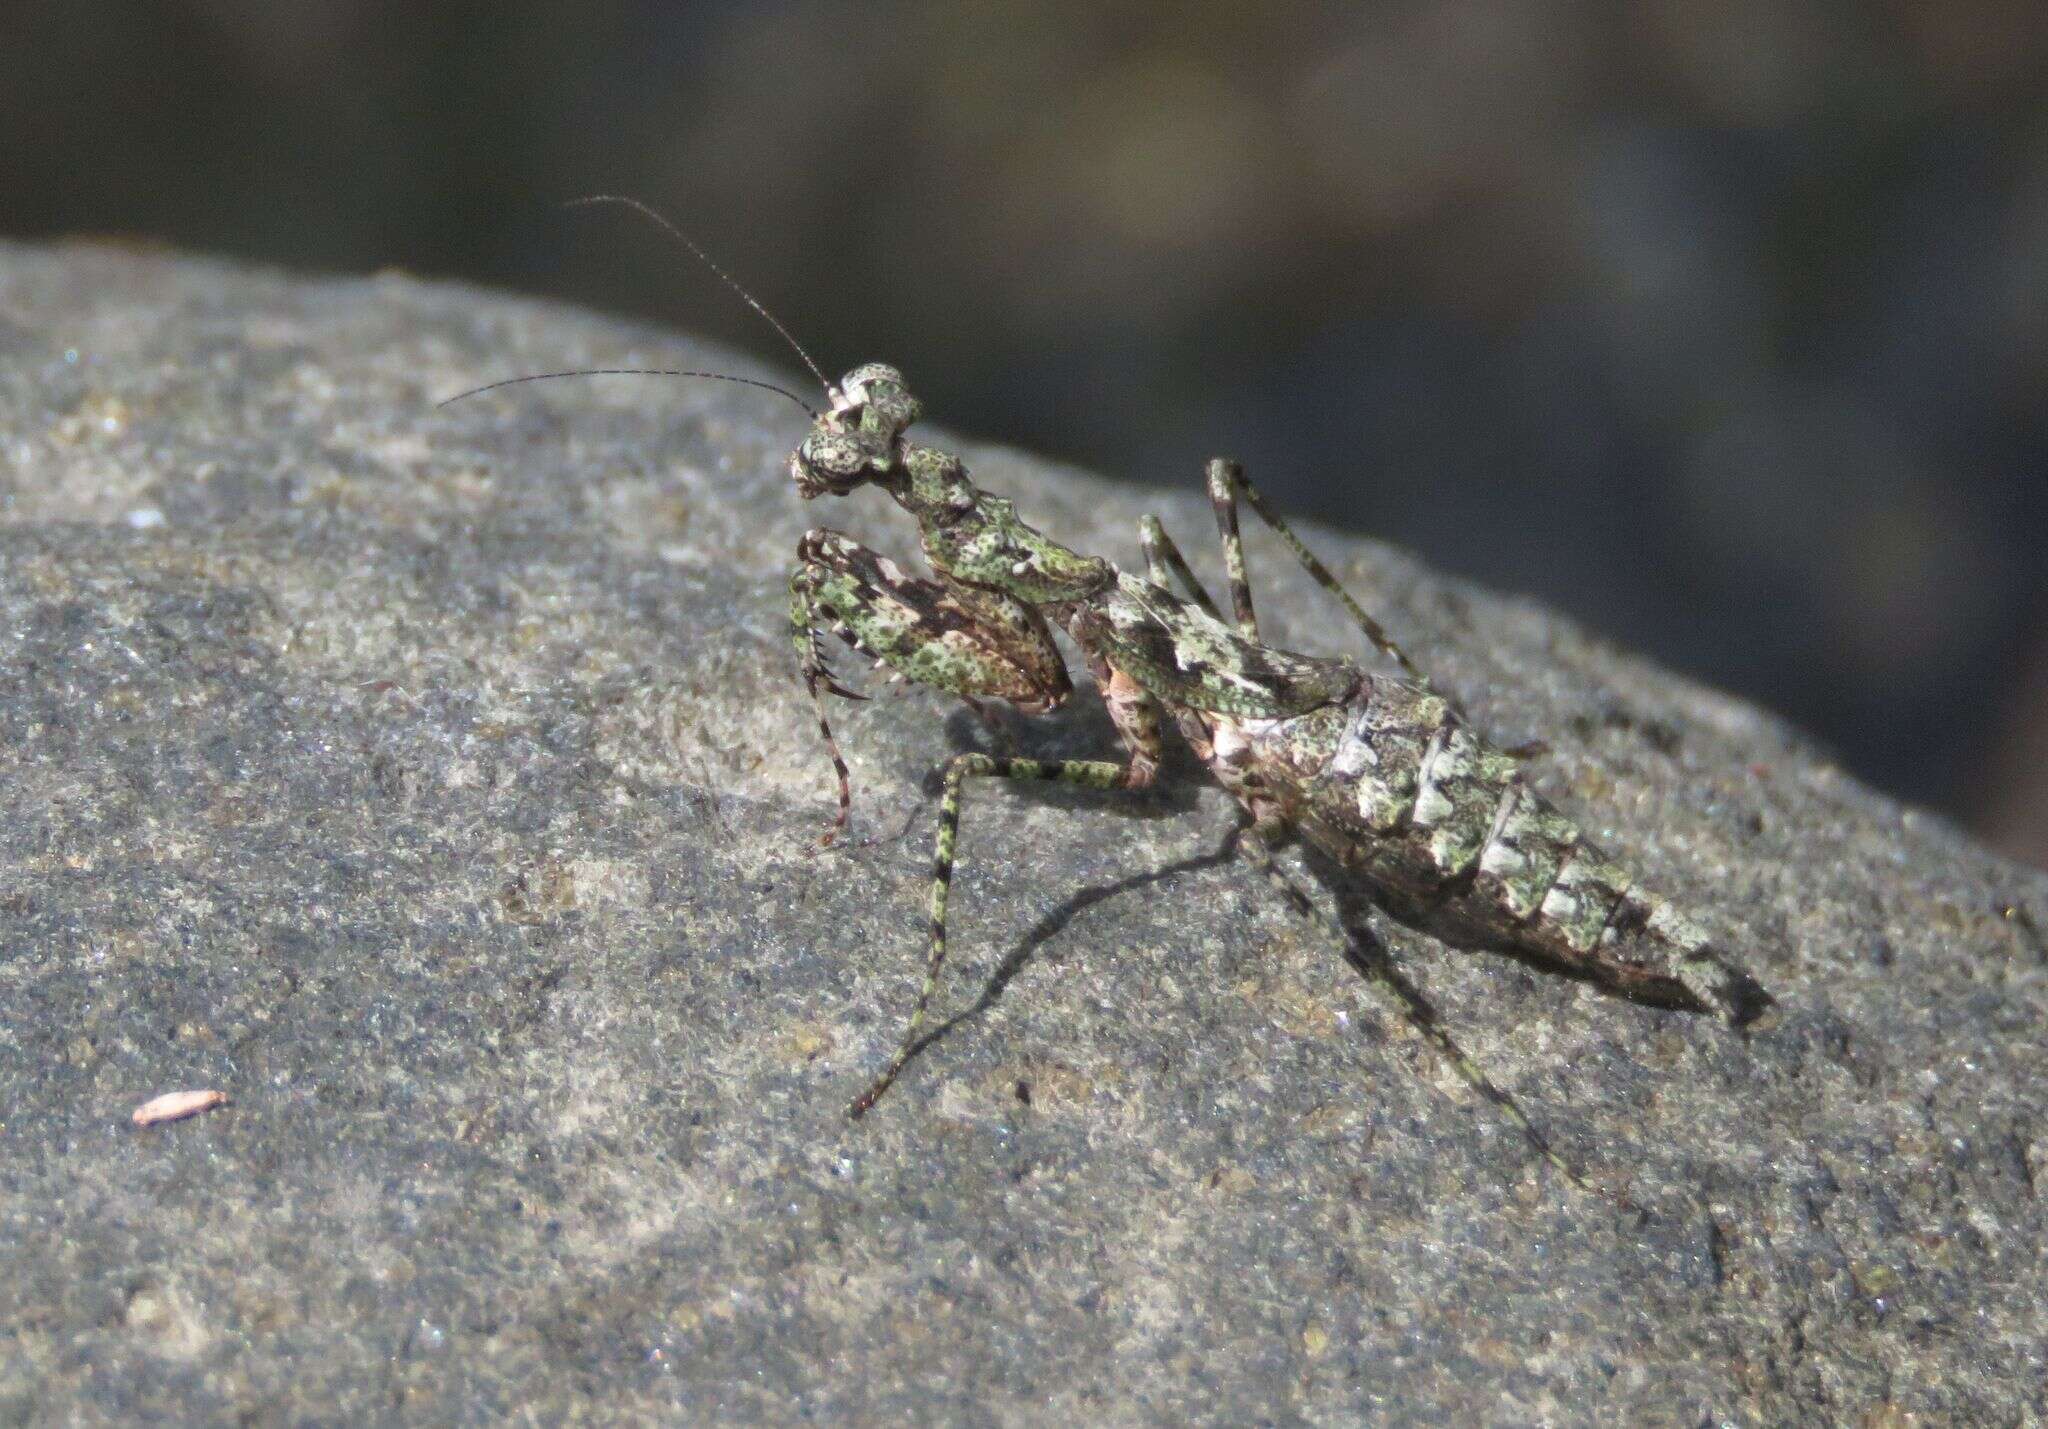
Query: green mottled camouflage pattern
point(1382, 774)
point(1391, 784)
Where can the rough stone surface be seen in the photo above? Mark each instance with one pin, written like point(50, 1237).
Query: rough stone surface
point(435, 784)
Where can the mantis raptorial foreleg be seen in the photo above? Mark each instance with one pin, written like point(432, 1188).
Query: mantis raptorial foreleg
point(971, 643)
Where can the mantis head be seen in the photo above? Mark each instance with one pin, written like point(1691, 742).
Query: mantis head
point(861, 438)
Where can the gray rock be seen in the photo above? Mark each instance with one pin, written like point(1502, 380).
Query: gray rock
point(436, 784)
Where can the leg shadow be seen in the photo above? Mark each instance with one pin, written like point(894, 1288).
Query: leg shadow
point(1054, 922)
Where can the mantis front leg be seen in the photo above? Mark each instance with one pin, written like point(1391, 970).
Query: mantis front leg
point(969, 642)
point(972, 643)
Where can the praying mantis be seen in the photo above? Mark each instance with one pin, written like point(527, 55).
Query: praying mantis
point(1379, 771)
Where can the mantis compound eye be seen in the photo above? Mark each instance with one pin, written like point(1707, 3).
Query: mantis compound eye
point(854, 386)
point(858, 439)
point(829, 463)
point(874, 398)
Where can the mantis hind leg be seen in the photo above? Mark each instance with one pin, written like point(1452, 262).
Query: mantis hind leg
point(1398, 995)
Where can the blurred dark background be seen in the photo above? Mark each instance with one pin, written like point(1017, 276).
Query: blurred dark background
point(1722, 324)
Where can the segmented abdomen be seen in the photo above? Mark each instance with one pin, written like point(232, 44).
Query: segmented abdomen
point(1393, 785)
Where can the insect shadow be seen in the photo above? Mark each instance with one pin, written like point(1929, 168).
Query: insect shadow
point(1053, 923)
point(1364, 951)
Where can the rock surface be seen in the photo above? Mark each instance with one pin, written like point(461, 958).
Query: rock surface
point(435, 783)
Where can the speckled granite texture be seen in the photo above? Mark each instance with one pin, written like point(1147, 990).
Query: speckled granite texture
point(436, 783)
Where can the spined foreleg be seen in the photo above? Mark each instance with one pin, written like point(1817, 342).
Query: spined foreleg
point(974, 644)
